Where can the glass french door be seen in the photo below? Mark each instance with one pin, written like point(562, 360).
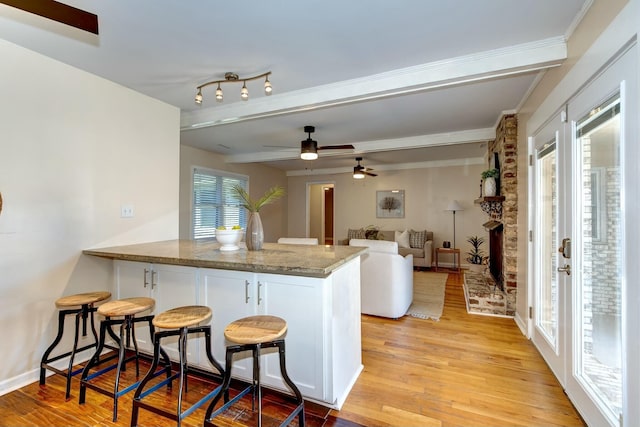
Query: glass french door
point(578, 245)
point(598, 275)
point(550, 287)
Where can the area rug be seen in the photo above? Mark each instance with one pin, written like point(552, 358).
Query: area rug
point(428, 295)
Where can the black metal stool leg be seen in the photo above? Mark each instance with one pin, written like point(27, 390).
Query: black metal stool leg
point(45, 356)
point(92, 362)
point(292, 386)
point(224, 388)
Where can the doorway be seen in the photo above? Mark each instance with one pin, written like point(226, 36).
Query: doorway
point(320, 212)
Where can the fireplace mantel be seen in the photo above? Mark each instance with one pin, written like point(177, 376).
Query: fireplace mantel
point(492, 205)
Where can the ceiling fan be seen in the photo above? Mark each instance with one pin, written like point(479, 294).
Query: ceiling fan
point(59, 12)
point(309, 148)
point(359, 171)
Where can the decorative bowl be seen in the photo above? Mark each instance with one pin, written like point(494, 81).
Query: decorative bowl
point(229, 239)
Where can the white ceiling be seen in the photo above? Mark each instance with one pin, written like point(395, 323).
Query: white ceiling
point(404, 81)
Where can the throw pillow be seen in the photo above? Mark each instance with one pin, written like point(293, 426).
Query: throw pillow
point(402, 237)
point(355, 233)
point(417, 238)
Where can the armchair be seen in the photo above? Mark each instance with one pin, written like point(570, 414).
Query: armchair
point(386, 279)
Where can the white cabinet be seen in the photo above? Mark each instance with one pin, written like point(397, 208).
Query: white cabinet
point(170, 285)
point(299, 300)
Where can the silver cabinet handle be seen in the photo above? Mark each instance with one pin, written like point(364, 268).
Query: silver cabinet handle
point(566, 269)
point(154, 275)
point(259, 299)
point(246, 292)
point(144, 280)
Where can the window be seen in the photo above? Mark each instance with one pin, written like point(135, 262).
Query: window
point(214, 203)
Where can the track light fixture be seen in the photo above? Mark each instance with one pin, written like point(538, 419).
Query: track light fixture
point(234, 78)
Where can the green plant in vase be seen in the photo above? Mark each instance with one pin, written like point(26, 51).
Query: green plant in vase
point(255, 233)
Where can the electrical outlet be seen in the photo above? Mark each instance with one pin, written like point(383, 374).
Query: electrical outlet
point(126, 211)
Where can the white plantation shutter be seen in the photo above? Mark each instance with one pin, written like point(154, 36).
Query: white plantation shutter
point(214, 203)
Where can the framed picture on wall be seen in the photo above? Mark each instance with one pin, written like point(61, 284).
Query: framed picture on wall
point(390, 204)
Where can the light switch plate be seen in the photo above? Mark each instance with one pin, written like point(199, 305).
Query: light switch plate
point(126, 211)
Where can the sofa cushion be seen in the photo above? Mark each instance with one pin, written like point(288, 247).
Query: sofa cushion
point(417, 253)
point(402, 237)
point(417, 238)
point(356, 233)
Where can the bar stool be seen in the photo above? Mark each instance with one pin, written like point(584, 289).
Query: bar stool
point(120, 312)
point(178, 321)
point(82, 306)
point(255, 333)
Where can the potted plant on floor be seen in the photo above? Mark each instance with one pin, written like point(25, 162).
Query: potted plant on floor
point(476, 256)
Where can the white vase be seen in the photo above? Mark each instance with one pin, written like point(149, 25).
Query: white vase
point(489, 187)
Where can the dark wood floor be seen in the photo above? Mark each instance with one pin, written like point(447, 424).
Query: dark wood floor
point(465, 370)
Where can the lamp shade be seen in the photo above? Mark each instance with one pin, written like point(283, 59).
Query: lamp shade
point(454, 206)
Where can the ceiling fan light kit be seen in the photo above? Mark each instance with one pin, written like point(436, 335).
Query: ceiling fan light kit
point(359, 171)
point(234, 78)
point(309, 148)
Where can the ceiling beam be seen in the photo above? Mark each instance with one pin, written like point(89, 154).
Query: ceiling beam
point(512, 60)
point(422, 141)
point(58, 12)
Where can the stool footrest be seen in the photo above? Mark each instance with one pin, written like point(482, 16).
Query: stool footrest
point(231, 401)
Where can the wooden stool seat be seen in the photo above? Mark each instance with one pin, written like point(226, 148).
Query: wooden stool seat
point(181, 317)
point(255, 329)
point(126, 306)
point(82, 299)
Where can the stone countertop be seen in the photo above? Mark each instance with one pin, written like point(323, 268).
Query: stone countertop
point(274, 258)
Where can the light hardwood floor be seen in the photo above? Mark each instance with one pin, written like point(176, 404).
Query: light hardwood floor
point(464, 370)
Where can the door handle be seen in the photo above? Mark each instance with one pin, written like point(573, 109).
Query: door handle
point(246, 292)
point(144, 281)
point(565, 249)
point(565, 269)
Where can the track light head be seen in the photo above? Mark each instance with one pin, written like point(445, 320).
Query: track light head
point(244, 92)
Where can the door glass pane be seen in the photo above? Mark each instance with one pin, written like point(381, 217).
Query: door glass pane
point(547, 205)
point(600, 274)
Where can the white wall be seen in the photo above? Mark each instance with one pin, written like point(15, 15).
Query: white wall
point(428, 191)
point(73, 149)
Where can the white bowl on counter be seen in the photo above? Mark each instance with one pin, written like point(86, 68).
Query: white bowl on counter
point(229, 239)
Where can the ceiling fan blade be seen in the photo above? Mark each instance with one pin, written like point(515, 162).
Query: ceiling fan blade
point(369, 173)
point(337, 147)
point(59, 12)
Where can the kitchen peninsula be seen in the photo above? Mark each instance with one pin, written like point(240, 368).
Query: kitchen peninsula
point(315, 288)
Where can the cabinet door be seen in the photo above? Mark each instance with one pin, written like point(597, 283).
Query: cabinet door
point(133, 279)
point(299, 301)
point(175, 286)
point(231, 295)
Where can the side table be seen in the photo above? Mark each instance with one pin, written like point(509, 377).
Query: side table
point(453, 251)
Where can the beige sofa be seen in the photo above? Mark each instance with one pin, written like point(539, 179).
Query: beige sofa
point(422, 250)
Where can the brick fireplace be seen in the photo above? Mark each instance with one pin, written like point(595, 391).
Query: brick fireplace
point(496, 291)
